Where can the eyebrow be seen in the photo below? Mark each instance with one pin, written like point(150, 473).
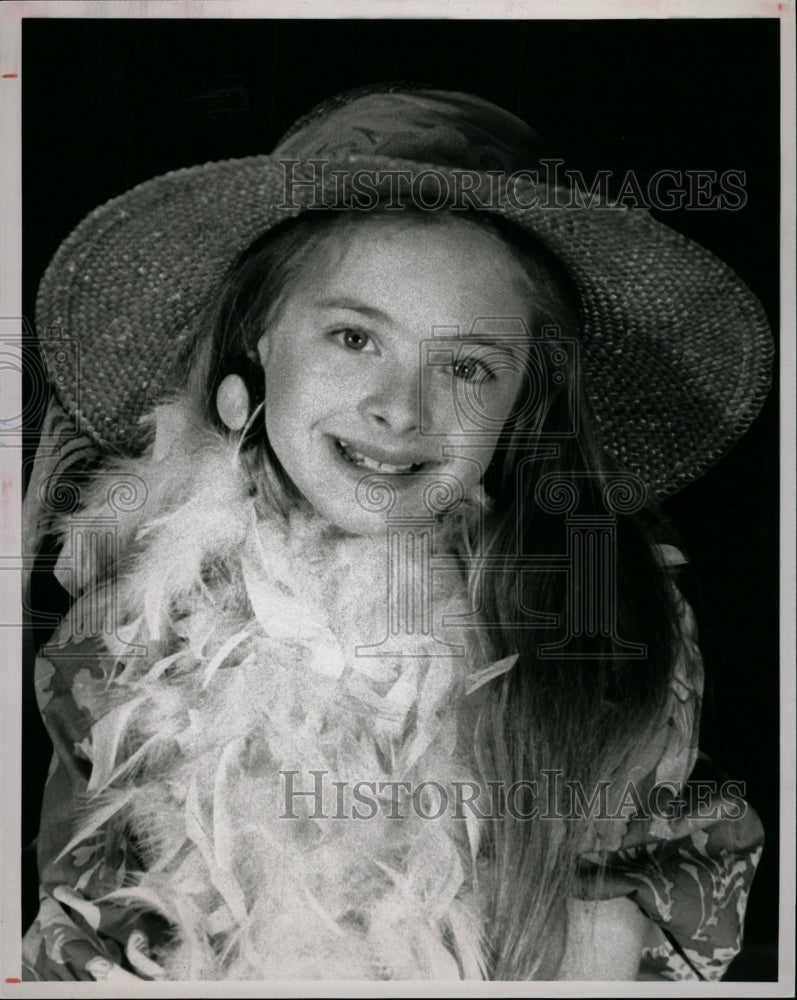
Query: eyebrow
point(356, 306)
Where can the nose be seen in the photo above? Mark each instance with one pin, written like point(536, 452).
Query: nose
point(394, 404)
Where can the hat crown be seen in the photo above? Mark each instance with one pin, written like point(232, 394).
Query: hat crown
point(423, 125)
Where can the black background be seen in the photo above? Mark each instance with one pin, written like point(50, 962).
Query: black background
point(110, 103)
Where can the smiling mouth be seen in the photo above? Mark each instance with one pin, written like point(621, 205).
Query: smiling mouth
point(363, 461)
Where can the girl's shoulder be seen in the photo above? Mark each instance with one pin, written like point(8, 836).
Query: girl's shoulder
point(675, 835)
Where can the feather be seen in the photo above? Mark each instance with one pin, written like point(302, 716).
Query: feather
point(323, 915)
point(170, 421)
point(140, 893)
point(466, 932)
point(224, 881)
point(224, 651)
point(220, 921)
point(223, 826)
point(264, 620)
point(107, 735)
point(153, 603)
point(160, 666)
point(432, 698)
point(129, 763)
point(490, 672)
point(97, 818)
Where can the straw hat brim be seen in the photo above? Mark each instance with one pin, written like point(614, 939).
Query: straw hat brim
point(675, 351)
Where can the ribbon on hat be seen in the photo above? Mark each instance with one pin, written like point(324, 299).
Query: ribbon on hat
point(430, 126)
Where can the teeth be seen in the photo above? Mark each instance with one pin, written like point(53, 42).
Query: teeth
point(357, 458)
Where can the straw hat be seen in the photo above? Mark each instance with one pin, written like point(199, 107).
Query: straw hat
point(675, 351)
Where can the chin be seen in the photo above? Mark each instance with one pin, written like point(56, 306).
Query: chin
point(367, 525)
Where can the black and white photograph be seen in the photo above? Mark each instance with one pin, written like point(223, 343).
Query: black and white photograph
point(396, 499)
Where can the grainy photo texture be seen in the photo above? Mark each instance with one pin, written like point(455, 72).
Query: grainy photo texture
point(402, 498)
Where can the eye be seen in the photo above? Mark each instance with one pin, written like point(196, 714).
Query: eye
point(468, 369)
point(354, 340)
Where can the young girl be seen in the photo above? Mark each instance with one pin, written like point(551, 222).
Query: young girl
point(376, 667)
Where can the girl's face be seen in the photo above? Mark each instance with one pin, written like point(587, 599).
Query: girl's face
point(354, 389)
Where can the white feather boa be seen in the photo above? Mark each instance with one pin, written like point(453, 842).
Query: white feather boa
point(250, 628)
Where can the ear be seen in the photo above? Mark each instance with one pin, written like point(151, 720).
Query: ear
point(261, 351)
point(232, 402)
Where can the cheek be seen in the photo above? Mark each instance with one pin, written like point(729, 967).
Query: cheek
point(286, 412)
point(276, 416)
point(291, 384)
point(471, 411)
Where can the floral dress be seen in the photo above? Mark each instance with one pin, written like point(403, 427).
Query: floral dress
point(688, 869)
